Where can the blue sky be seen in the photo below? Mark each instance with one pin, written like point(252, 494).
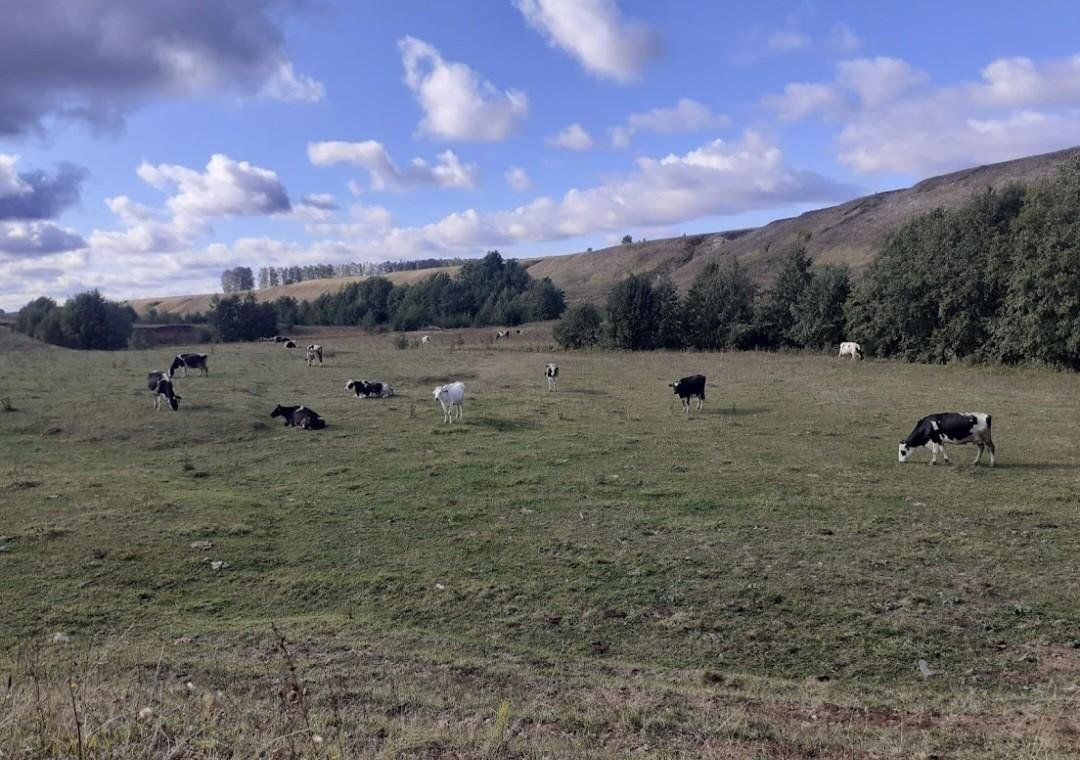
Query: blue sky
point(147, 145)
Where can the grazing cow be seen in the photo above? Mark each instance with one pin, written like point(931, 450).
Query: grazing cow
point(502, 334)
point(314, 352)
point(425, 340)
point(848, 348)
point(289, 344)
point(152, 378)
point(551, 372)
point(280, 338)
point(364, 389)
point(189, 361)
point(689, 387)
point(935, 430)
point(299, 416)
point(163, 389)
point(448, 397)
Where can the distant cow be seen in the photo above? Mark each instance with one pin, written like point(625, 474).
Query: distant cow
point(189, 361)
point(688, 388)
point(314, 353)
point(289, 344)
point(280, 338)
point(425, 340)
point(162, 388)
point(935, 430)
point(365, 389)
point(502, 334)
point(848, 348)
point(448, 397)
point(299, 416)
point(551, 372)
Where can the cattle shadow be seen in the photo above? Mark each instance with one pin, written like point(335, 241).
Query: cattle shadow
point(738, 411)
point(1037, 466)
point(502, 425)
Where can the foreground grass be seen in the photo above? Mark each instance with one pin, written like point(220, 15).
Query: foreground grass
point(581, 573)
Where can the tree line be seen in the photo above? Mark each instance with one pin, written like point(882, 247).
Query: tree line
point(271, 277)
point(995, 280)
point(87, 321)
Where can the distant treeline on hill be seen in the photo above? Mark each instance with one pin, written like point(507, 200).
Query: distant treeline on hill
point(271, 277)
point(996, 280)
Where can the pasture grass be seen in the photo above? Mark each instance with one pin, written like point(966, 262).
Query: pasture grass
point(580, 573)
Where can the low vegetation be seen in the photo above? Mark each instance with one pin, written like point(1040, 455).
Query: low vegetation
point(586, 573)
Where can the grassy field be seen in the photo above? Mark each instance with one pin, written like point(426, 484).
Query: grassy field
point(586, 573)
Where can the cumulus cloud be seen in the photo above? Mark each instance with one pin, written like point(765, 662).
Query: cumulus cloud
point(688, 115)
point(892, 119)
point(33, 239)
point(225, 188)
point(595, 33)
point(36, 194)
point(573, 137)
point(457, 103)
point(286, 85)
point(517, 178)
point(94, 60)
point(448, 171)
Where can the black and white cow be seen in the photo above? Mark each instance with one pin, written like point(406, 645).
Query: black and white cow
point(189, 361)
point(935, 430)
point(499, 335)
point(289, 344)
point(850, 348)
point(162, 388)
point(299, 416)
point(314, 353)
point(365, 389)
point(551, 372)
point(689, 387)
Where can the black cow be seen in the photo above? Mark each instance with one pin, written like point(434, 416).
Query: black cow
point(162, 388)
point(289, 344)
point(299, 416)
point(189, 361)
point(935, 430)
point(364, 389)
point(689, 387)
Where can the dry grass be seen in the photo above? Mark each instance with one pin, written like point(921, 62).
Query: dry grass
point(570, 574)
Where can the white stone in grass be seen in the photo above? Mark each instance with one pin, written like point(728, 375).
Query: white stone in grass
point(59, 638)
point(146, 713)
point(440, 587)
point(924, 668)
point(219, 564)
point(203, 546)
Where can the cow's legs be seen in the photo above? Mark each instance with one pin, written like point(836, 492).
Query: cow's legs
point(979, 455)
point(700, 402)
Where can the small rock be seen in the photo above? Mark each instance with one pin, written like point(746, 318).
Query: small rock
point(59, 638)
point(219, 564)
point(203, 546)
point(183, 640)
point(924, 668)
point(526, 511)
point(146, 713)
point(440, 587)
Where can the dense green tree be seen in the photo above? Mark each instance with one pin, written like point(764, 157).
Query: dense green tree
point(775, 312)
point(819, 312)
point(719, 308)
point(670, 329)
point(633, 313)
point(581, 327)
point(234, 319)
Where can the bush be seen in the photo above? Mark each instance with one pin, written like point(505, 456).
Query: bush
point(234, 319)
point(88, 321)
point(580, 328)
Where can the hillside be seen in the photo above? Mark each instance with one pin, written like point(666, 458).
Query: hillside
point(301, 291)
point(850, 233)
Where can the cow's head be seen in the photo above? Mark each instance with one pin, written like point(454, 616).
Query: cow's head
point(438, 392)
point(904, 451)
point(675, 387)
point(278, 412)
point(174, 401)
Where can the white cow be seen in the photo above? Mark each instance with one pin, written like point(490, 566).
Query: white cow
point(448, 397)
point(849, 348)
point(426, 339)
point(551, 372)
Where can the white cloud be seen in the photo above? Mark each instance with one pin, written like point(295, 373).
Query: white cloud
point(385, 174)
point(844, 41)
point(595, 33)
point(517, 179)
point(226, 188)
point(10, 182)
point(802, 100)
point(688, 115)
point(457, 103)
point(285, 85)
point(786, 41)
point(878, 81)
point(1020, 107)
point(573, 137)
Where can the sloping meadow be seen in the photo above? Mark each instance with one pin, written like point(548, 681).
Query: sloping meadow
point(585, 572)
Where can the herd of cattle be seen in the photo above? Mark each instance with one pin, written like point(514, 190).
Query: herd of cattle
point(931, 432)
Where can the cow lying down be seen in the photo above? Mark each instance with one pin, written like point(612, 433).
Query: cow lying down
point(299, 416)
point(935, 430)
point(366, 389)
